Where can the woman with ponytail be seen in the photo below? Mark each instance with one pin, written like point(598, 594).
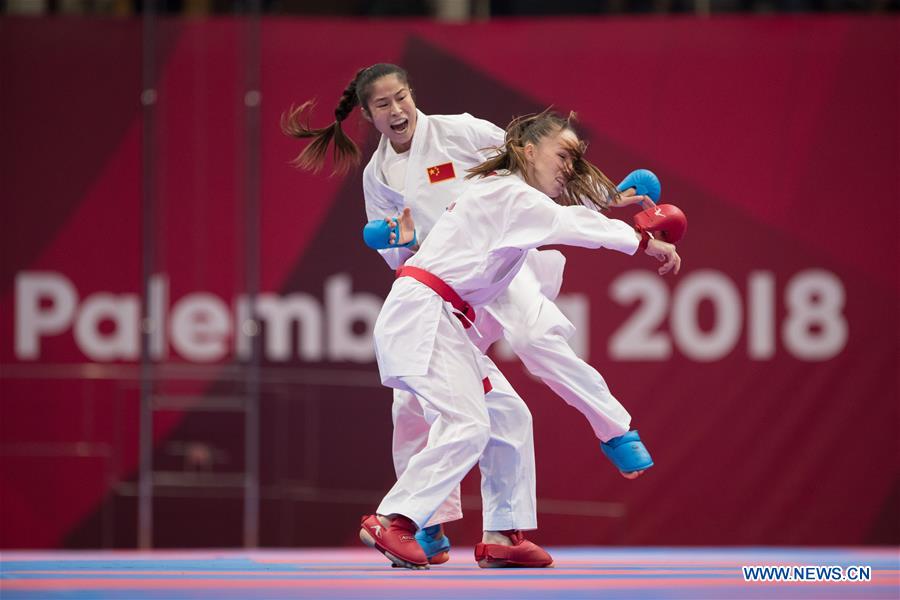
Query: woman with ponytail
point(418, 171)
point(372, 80)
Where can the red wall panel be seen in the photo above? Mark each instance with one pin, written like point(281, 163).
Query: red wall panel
point(764, 379)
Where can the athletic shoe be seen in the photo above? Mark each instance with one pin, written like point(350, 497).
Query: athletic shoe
point(522, 554)
point(397, 541)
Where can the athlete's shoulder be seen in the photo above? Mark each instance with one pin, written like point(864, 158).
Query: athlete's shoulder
point(460, 122)
point(499, 182)
point(445, 119)
point(504, 178)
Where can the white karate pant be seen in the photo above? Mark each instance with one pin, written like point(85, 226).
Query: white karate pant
point(445, 424)
point(538, 333)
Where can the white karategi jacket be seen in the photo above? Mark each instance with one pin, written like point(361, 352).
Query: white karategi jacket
point(477, 248)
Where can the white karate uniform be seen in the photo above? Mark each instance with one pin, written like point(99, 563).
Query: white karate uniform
point(477, 248)
point(524, 314)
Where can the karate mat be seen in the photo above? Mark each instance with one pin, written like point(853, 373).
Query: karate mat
point(583, 572)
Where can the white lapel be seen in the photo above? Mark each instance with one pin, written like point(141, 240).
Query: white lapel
point(381, 186)
point(415, 168)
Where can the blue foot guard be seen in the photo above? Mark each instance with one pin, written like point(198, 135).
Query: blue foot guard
point(435, 550)
point(627, 452)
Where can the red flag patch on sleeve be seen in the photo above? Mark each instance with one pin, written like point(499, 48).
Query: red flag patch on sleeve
point(441, 172)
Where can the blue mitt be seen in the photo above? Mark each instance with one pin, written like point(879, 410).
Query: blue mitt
point(644, 182)
point(377, 235)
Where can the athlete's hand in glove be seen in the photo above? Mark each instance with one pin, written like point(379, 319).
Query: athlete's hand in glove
point(664, 252)
point(381, 234)
point(629, 197)
point(639, 187)
point(666, 221)
point(407, 229)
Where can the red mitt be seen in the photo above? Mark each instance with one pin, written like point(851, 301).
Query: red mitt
point(665, 221)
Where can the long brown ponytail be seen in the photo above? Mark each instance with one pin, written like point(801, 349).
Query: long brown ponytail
point(585, 182)
point(295, 122)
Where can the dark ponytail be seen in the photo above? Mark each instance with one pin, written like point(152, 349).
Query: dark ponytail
point(346, 152)
point(295, 122)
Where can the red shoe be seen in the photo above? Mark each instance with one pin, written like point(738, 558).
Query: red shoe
point(397, 542)
point(522, 554)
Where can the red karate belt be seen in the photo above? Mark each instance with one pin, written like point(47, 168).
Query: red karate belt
point(443, 290)
point(440, 287)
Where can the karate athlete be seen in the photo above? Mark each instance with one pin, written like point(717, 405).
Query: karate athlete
point(420, 164)
point(470, 257)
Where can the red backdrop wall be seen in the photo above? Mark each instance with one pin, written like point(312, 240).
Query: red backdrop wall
point(763, 378)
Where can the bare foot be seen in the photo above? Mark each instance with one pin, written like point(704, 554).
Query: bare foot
point(495, 537)
point(633, 474)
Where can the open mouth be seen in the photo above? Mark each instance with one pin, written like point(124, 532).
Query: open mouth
point(400, 126)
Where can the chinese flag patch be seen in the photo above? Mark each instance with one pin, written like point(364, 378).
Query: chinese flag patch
point(441, 172)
